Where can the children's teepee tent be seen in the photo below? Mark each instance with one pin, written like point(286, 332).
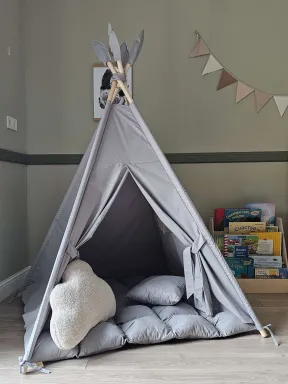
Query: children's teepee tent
point(127, 215)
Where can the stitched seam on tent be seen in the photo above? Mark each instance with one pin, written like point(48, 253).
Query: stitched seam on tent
point(188, 203)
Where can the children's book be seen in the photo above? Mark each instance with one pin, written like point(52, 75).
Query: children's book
point(267, 261)
point(271, 228)
point(271, 273)
point(276, 237)
point(250, 242)
point(242, 228)
point(241, 215)
point(219, 214)
point(267, 273)
point(268, 211)
point(220, 243)
point(241, 268)
point(265, 247)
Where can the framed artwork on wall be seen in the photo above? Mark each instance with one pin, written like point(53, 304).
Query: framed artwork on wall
point(101, 86)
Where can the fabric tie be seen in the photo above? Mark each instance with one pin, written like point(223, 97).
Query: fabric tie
point(189, 269)
point(118, 76)
point(72, 251)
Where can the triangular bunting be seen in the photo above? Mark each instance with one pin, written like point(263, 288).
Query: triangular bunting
point(200, 49)
point(282, 103)
point(212, 65)
point(261, 99)
point(242, 91)
point(225, 80)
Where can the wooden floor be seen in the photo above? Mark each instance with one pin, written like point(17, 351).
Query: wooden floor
point(245, 359)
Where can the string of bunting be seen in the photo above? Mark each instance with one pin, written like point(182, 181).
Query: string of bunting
point(227, 78)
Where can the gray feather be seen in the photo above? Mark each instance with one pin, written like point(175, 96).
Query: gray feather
point(101, 51)
point(114, 44)
point(124, 54)
point(136, 48)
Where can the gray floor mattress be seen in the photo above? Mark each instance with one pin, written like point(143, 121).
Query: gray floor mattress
point(136, 323)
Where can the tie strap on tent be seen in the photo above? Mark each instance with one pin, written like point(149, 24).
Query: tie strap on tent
point(118, 76)
point(189, 268)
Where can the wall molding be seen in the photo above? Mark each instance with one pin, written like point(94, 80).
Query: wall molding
point(13, 157)
point(12, 284)
point(173, 158)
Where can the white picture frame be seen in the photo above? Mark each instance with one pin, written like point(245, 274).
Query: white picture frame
point(98, 72)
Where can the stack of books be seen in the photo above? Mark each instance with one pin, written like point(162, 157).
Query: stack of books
point(250, 241)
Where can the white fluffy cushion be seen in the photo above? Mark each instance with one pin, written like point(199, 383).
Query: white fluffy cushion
point(79, 303)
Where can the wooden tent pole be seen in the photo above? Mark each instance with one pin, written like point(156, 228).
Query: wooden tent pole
point(120, 83)
point(127, 67)
point(263, 333)
point(111, 95)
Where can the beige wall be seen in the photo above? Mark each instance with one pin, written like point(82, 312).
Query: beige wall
point(13, 191)
point(183, 109)
point(12, 90)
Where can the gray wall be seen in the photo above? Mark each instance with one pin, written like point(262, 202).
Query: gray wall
point(13, 195)
point(183, 109)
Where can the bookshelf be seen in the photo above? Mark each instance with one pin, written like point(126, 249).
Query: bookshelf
point(263, 285)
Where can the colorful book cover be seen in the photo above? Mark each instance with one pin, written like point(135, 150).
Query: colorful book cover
point(265, 247)
point(276, 237)
point(242, 228)
point(267, 261)
point(241, 268)
point(220, 243)
point(268, 211)
point(271, 273)
point(241, 251)
point(241, 215)
point(232, 241)
point(272, 228)
point(219, 214)
point(267, 273)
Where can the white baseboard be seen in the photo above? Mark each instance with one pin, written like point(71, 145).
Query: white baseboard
point(12, 284)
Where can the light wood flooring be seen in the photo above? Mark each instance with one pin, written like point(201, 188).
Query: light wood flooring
point(245, 359)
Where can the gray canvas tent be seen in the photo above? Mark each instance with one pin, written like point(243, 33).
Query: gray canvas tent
point(127, 215)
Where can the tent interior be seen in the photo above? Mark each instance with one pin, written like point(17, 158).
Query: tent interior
point(130, 241)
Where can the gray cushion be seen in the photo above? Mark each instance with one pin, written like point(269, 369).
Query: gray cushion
point(229, 324)
point(142, 326)
point(47, 350)
point(147, 330)
point(159, 290)
point(133, 312)
point(164, 312)
point(104, 337)
point(191, 327)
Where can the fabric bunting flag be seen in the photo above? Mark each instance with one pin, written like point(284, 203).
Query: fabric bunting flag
point(282, 103)
point(261, 99)
point(212, 65)
point(225, 79)
point(242, 91)
point(200, 49)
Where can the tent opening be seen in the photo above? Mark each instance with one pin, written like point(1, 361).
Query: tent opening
point(131, 241)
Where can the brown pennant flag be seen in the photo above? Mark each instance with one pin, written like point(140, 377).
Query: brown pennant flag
point(200, 49)
point(225, 80)
point(243, 90)
point(261, 99)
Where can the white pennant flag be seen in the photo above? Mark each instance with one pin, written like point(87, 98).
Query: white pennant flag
point(211, 66)
point(282, 103)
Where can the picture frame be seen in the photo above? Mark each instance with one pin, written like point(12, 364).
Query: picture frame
point(98, 72)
